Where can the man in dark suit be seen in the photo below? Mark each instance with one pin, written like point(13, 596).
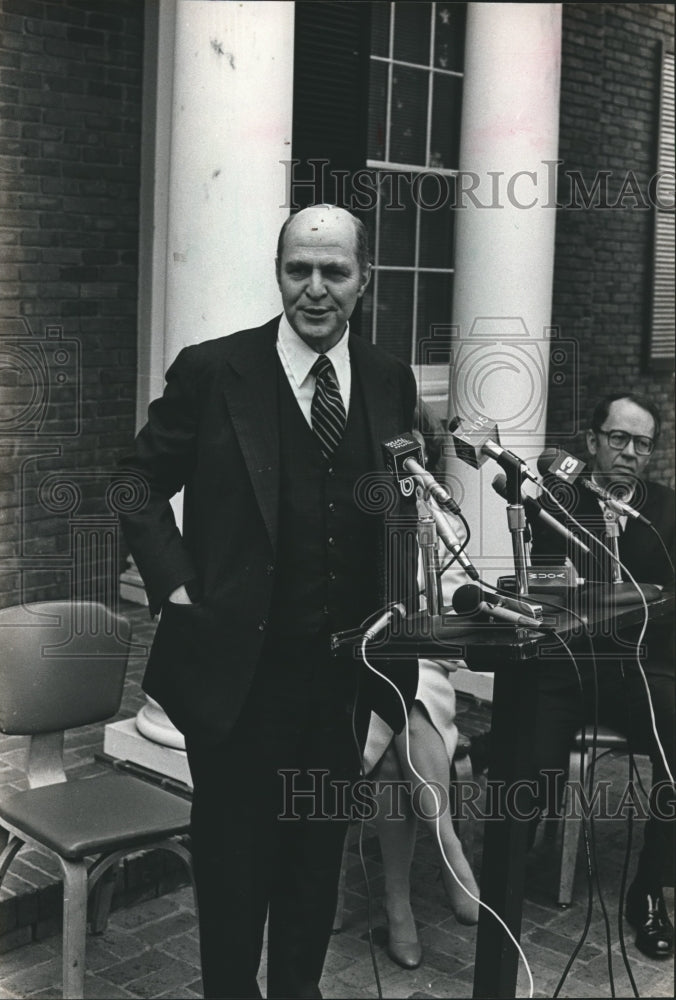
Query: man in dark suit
point(269, 431)
point(622, 437)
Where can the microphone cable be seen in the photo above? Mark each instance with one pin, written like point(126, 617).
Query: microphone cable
point(462, 545)
point(362, 775)
point(437, 815)
point(589, 836)
point(644, 627)
point(362, 821)
point(588, 829)
point(653, 723)
point(627, 853)
point(664, 548)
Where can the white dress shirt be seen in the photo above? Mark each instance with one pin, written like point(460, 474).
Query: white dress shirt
point(297, 360)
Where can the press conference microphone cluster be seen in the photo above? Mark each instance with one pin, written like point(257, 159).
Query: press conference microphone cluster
point(404, 458)
point(477, 439)
point(535, 511)
point(471, 600)
point(569, 469)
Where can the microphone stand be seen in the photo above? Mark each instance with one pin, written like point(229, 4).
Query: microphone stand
point(516, 522)
point(427, 542)
point(612, 535)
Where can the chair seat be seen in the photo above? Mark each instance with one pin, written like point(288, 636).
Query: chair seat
point(83, 817)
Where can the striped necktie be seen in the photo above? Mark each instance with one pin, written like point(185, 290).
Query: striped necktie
point(327, 411)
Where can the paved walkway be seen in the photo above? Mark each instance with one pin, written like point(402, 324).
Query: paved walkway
point(151, 949)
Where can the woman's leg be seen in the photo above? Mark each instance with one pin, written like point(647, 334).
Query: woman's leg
point(429, 758)
point(396, 826)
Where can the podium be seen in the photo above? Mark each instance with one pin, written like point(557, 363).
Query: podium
point(513, 655)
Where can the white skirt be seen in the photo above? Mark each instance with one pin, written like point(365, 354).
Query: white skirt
point(437, 695)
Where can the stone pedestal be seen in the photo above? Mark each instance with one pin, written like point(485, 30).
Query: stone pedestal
point(131, 585)
point(150, 740)
point(123, 741)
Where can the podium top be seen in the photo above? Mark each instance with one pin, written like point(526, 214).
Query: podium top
point(485, 644)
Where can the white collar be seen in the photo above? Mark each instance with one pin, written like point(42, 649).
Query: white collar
point(300, 358)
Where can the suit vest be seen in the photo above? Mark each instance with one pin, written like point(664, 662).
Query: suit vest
point(326, 573)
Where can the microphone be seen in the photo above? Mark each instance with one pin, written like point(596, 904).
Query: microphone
point(470, 599)
point(556, 462)
point(522, 607)
point(479, 441)
point(452, 543)
point(535, 511)
point(381, 623)
point(403, 457)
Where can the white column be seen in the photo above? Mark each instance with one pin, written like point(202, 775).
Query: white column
point(219, 129)
point(504, 248)
point(218, 97)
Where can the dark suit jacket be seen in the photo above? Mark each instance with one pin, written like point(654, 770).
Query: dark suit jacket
point(214, 432)
point(642, 549)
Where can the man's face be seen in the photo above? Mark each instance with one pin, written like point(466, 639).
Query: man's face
point(319, 276)
point(621, 466)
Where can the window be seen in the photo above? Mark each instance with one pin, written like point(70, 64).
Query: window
point(376, 126)
point(415, 95)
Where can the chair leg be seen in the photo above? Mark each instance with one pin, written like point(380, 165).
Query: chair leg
point(571, 829)
point(11, 849)
point(100, 900)
point(174, 847)
point(74, 927)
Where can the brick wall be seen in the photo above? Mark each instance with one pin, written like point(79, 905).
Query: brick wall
point(70, 112)
point(609, 100)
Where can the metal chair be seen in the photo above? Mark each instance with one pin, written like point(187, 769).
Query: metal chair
point(62, 665)
point(579, 762)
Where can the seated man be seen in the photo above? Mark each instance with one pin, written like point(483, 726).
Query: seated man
point(623, 433)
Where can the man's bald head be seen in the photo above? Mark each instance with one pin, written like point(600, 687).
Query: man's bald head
point(322, 272)
point(326, 219)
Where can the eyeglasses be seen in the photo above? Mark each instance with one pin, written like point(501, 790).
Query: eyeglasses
point(618, 441)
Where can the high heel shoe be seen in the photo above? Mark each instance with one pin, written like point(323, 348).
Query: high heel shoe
point(405, 952)
point(465, 909)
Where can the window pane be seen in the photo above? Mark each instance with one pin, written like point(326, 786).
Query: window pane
point(449, 36)
point(446, 107)
point(380, 29)
point(395, 313)
point(412, 32)
point(377, 110)
point(436, 223)
point(409, 116)
point(397, 221)
point(435, 292)
point(368, 217)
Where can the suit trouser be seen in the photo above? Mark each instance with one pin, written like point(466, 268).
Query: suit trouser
point(260, 845)
point(622, 705)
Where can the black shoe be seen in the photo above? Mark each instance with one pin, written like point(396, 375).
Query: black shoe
point(647, 913)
